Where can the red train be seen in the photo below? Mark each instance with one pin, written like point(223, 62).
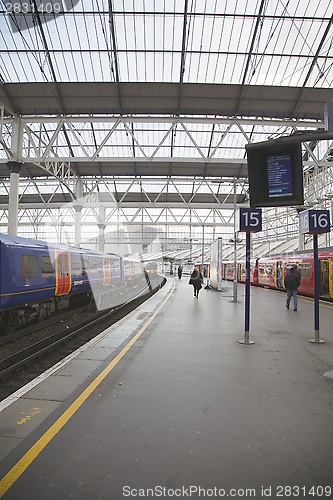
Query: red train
point(271, 271)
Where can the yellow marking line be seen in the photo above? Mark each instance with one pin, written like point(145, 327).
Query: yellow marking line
point(18, 469)
point(27, 291)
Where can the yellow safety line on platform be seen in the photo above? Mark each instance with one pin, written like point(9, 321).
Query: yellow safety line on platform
point(18, 469)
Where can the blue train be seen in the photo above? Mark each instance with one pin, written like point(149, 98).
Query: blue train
point(39, 278)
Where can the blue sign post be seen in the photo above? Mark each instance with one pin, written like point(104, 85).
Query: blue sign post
point(248, 220)
point(315, 222)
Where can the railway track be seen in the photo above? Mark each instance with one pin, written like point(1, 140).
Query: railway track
point(23, 366)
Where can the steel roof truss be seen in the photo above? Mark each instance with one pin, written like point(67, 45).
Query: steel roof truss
point(160, 193)
point(163, 211)
point(144, 210)
point(106, 138)
point(194, 192)
point(136, 214)
point(111, 214)
point(78, 139)
point(168, 210)
point(193, 141)
point(53, 138)
point(210, 156)
point(134, 139)
point(173, 127)
point(176, 188)
point(214, 195)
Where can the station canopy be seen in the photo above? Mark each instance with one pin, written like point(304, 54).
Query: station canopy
point(169, 88)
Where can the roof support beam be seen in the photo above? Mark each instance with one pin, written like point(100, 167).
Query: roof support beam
point(183, 56)
point(48, 56)
point(115, 70)
point(314, 62)
point(250, 55)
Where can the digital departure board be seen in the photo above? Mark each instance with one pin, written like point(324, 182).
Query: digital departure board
point(279, 176)
point(275, 174)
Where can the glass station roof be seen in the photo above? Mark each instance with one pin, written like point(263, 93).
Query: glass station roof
point(258, 42)
point(171, 59)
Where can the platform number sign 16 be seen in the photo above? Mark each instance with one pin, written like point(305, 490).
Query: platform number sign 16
point(248, 220)
point(315, 221)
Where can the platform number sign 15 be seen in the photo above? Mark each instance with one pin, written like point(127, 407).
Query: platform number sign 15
point(315, 221)
point(248, 220)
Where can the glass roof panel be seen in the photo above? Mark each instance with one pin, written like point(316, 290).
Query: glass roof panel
point(218, 39)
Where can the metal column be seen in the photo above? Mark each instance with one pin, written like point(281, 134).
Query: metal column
point(235, 244)
point(14, 168)
point(78, 209)
point(101, 229)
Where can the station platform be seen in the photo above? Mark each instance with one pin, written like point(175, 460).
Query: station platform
point(168, 403)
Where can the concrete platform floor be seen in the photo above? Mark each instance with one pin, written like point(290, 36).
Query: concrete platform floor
point(187, 411)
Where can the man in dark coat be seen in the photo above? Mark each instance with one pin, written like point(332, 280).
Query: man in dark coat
point(180, 272)
point(291, 282)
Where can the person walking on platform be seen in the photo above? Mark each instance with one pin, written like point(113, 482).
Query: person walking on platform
point(180, 272)
point(196, 280)
point(291, 282)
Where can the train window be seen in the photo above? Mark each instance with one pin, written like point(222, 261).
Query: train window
point(85, 266)
point(76, 267)
point(305, 270)
point(262, 269)
point(59, 265)
point(100, 266)
point(66, 264)
point(93, 266)
point(29, 267)
point(290, 265)
point(269, 269)
point(47, 268)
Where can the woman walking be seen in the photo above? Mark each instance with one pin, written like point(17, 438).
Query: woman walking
point(196, 280)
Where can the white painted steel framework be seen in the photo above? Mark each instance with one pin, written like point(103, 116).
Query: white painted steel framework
point(179, 207)
point(56, 143)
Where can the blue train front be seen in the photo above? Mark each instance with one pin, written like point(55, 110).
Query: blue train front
point(39, 278)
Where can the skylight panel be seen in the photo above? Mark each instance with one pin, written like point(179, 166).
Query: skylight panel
point(149, 37)
point(170, 67)
point(125, 30)
point(322, 77)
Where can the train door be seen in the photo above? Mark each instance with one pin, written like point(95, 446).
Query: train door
point(239, 272)
point(106, 271)
point(279, 274)
point(325, 280)
point(63, 274)
point(254, 272)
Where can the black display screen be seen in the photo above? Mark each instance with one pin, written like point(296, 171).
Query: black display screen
point(275, 174)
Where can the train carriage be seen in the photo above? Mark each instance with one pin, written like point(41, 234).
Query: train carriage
point(204, 268)
point(228, 270)
point(39, 278)
point(270, 271)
